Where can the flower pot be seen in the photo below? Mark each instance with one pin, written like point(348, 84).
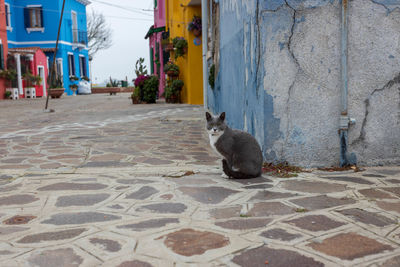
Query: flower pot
point(172, 73)
point(196, 32)
point(135, 100)
point(56, 92)
point(173, 99)
point(168, 47)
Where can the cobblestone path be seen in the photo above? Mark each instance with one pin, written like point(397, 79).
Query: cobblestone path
point(101, 182)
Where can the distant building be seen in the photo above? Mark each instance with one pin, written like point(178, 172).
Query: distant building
point(3, 47)
point(36, 25)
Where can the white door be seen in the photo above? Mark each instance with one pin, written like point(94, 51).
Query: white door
point(43, 82)
point(74, 26)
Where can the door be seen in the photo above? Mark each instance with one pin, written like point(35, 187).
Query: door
point(42, 87)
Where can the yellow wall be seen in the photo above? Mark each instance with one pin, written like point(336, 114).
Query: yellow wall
point(178, 16)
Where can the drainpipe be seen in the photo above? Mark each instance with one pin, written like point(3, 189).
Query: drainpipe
point(345, 158)
point(204, 21)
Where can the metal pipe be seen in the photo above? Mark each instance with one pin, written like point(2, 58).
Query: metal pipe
point(204, 23)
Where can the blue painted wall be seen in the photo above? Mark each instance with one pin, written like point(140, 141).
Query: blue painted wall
point(18, 36)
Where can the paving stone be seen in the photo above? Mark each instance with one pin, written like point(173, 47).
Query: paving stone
point(279, 234)
point(315, 223)
point(373, 175)
point(134, 181)
point(52, 236)
point(258, 180)
point(17, 200)
point(374, 193)
point(393, 181)
point(389, 206)
point(107, 157)
point(81, 200)
point(393, 262)
point(352, 179)
point(388, 171)
point(394, 190)
point(267, 195)
point(167, 196)
point(349, 246)
point(199, 241)
point(265, 256)
point(155, 161)
point(269, 208)
point(80, 218)
point(244, 223)
point(149, 224)
point(13, 160)
point(208, 195)
point(321, 202)
point(164, 207)
point(50, 165)
point(72, 186)
point(312, 187)
point(143, 193)
point(6, 252)
point(106, 244)
point(12, 229)
point(223, 213)
point(10, 188)
point(258, 186)
point(116, 206)
point(19, 219)
point(135, 263)
point(57, 257)
point(115, 164)
point(367, 217)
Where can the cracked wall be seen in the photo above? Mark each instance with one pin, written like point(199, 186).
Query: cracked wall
point(279, 78)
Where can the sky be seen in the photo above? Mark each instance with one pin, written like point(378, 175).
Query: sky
point(130, 20)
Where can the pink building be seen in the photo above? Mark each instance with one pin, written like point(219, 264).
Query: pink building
point(157, 33)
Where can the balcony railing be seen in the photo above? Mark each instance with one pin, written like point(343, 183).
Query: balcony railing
point(79, 37)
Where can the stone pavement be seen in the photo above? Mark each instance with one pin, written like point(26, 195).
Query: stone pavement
point(101, 182)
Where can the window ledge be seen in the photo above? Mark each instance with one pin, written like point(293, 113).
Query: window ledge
point(9, 28)
point(36, 29)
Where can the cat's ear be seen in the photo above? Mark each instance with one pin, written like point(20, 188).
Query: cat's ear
point(208, 116)
point(222, 116)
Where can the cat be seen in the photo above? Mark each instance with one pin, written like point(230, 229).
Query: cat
point(241, 153)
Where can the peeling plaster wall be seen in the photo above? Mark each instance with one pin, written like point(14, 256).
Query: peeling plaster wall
point(279, 78)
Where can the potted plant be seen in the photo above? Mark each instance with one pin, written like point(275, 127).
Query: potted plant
point(167, 45)
point(173, 91)
point(85, 78)
point(56, 87)
point(135, 96)
point(73, 78)
point(150, 89)
point(7, 95)
point(180, 46)
point(73, 88)
point(171, 69)
point(195, 26)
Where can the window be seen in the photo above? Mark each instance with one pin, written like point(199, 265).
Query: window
point(33, 17)
point(1, 56)
point(82, 66)
point(74, 19)
point(71, 65)
point(8, 16)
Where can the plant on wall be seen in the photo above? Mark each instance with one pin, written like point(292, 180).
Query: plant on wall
point(180, 46)
point(195, 26)
point(31, 80)
point(171, 69)
point(11, 76)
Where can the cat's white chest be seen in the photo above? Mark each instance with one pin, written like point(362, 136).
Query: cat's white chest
point(213, 141)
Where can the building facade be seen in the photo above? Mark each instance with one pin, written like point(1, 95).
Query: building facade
point(156, 34)
point(3, 47)
point(178, 15)
point(295, 73)
point(35, 24)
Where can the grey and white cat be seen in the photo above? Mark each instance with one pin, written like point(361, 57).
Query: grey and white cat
point(242, 156)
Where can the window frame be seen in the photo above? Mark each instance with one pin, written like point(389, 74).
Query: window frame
point(83, 66)
point(71, 64)
point(8, 16)
point(34, 12)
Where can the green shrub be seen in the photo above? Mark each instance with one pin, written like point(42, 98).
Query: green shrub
point(150, 89)
point(177, 85)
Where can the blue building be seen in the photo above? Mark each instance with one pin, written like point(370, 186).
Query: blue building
point(35, 24)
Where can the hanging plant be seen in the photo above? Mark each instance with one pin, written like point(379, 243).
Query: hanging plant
point(195, 26)
point(180, 46)
point(171, 69)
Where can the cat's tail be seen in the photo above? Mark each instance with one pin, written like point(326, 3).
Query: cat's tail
point(231, 173)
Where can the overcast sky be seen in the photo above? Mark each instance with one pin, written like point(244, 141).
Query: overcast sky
point(130, 22)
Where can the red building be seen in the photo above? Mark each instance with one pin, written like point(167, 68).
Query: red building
point(3, 47)
point(33, 60)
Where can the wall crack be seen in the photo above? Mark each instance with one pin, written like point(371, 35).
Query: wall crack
point(389, 84)
point(388, 10)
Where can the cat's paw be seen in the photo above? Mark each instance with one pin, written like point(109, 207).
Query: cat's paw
point(223, 175)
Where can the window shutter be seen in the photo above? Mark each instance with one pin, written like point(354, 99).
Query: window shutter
point(26, 17)
point(73, 64)
point(151, 61)
point(41, 18)
point(1, 57)
point(84, 66)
